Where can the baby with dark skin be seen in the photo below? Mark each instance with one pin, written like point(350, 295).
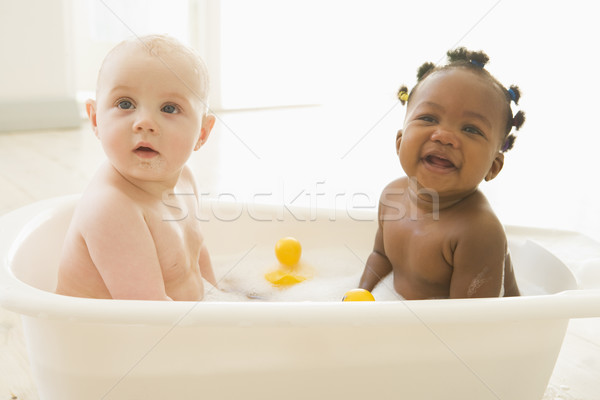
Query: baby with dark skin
point(437, 232)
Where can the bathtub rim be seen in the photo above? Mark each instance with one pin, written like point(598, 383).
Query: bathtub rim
point(20, 297)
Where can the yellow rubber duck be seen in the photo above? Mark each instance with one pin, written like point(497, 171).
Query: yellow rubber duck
point(358, 295)
point(290, 271)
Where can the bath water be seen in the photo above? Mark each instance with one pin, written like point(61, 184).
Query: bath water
point(334, 271)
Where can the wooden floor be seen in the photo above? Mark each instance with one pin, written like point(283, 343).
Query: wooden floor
point(243, 163)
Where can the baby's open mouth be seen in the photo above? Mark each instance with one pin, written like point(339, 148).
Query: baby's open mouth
point(144, 151)
point(143, 148)
point(439, 162)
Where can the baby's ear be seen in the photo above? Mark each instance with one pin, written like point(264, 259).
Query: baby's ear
point(208, 122)
point(398, 140)
point(496, 167)
point(90, 109)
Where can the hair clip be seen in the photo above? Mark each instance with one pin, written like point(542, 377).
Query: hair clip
point(477, 64)
point(512, 94)
point(508, 143)
point(403, 96)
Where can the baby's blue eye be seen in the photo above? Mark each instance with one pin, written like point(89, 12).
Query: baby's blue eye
point(170, 109)
point(125, 104)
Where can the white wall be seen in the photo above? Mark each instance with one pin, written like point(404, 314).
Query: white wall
point(359, 52)
point(36, 76)
point(99, 25)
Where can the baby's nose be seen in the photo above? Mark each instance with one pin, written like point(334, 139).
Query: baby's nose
point(445, 136)
point(145, 123)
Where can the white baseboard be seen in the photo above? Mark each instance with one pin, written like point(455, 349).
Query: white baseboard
point(39, 114)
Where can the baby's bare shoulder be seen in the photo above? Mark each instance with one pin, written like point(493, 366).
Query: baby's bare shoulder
point(392, 197)
point(476, 220)
point(393, 191)
point(396, 185)
point(186, 174)
point(109, 218)
point(187, 179)
point(107, 202)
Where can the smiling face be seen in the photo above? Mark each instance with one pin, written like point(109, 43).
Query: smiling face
point(148, 114)
point(453, 131)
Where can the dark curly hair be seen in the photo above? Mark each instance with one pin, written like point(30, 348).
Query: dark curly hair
point(474, 61)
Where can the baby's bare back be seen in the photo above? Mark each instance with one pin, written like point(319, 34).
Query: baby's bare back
point(123, 243)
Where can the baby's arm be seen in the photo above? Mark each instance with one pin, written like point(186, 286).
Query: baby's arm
point(478, 261)
point(511, 288)
point(206, 268)
point(122, 249)
point(378, 265)
point(204, 262)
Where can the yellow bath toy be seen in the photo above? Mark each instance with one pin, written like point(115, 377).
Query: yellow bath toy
point(358, 295)
point(288, 251)
point(283, 277)
point(290, 271)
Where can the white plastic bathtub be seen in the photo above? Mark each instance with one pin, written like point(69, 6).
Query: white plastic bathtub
point(84, 349)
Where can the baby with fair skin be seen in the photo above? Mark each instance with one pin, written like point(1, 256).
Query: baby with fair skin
point(437, 233)
point(127, 239)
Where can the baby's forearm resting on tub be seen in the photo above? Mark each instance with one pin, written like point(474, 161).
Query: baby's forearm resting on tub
point(376, 268)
